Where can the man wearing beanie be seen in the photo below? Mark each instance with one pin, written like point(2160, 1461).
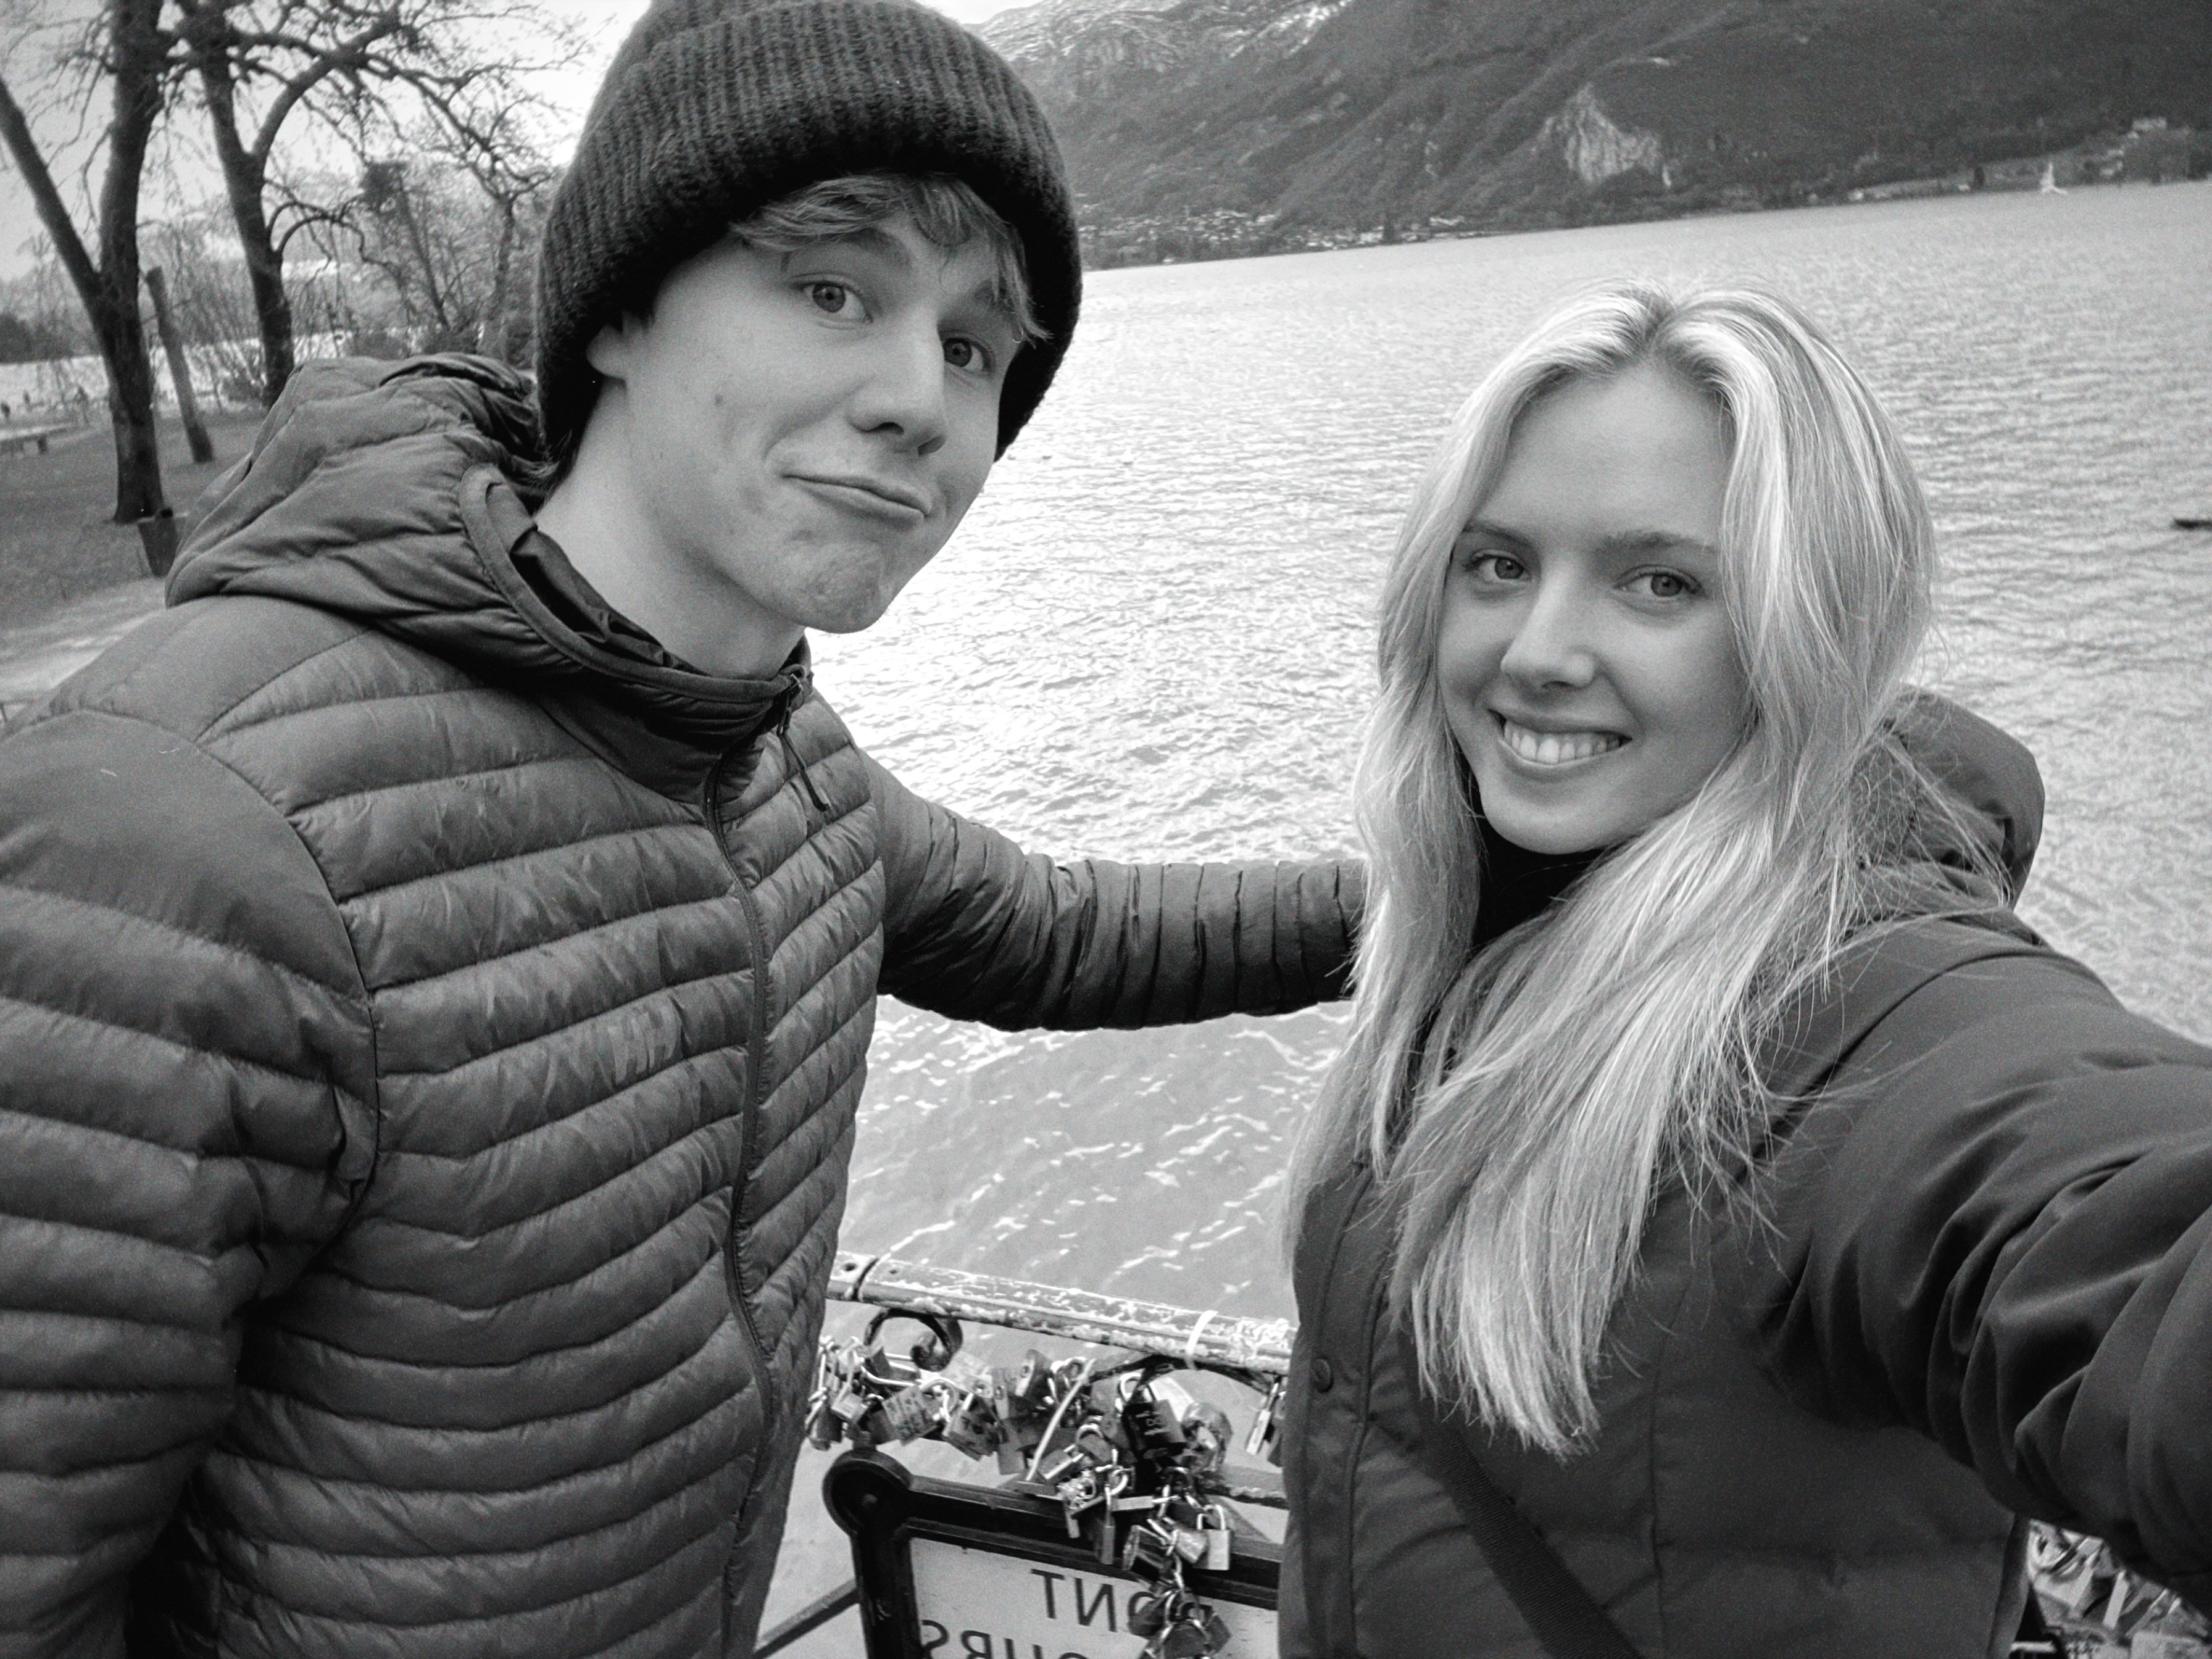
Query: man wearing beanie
point(438, 954)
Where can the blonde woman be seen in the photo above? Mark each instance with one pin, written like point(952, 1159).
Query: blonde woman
point(1725, 1218)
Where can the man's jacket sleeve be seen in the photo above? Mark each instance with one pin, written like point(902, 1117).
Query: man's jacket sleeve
point(184, 1111)
point(976, 929)
point(1996, 1229)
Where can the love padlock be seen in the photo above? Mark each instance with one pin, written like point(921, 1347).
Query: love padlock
point(1151, 1427)
point(1145, 1614)
point(973, 1429)
point(1220, 1538)
point(1146, 1554)
point(1196, 1632)
point(909, 1414)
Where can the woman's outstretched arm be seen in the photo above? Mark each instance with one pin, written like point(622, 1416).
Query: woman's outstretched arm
point(1996, 1228)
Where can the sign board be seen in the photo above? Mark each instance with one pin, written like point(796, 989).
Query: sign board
point(977, 1604)
point(947, 1570)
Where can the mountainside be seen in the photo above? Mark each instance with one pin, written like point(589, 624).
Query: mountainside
point(1210, 115)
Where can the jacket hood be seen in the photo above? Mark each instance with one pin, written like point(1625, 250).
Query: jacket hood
point(382, 492)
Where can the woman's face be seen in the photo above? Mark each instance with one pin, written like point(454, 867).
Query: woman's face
point(1588, 672)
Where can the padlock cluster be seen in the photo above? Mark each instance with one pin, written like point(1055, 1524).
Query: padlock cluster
point(1134, 1461)
point(2095, 1606)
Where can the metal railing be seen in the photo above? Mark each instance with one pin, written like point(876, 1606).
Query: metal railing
point(1206, 1339)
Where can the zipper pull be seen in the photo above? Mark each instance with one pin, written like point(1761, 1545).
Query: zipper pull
point(791, 749)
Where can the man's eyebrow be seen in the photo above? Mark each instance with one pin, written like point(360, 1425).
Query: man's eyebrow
point(990, 294)
point(869, 239)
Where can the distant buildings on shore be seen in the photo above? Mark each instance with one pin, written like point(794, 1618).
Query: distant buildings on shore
point(2151, 151)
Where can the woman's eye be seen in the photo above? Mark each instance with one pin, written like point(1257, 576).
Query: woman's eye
point(833, 298)
point(1664, 583)
point(963, 353)
point(1497, 566)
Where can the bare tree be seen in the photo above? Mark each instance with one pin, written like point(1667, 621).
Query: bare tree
point(516, 183)
point(441, 226)
point(180, 368)
point(48, 319)
point(131, 53)
point(354, 67)
point(209, 299)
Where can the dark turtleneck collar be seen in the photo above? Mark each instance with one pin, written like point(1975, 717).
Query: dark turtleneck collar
point(543, 563)
point(658, 717)
point(1519, 885)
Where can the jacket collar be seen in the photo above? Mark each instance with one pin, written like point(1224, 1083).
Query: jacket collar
point(383, 492)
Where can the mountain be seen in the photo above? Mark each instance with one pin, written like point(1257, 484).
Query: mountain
point(1240, 119)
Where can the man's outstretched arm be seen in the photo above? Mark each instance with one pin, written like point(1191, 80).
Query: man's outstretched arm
point(976, 929)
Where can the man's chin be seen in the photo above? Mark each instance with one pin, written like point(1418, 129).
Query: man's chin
point(857, 602)
point(848, 613)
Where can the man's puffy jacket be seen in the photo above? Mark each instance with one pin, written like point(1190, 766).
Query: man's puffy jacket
point(431, 1023)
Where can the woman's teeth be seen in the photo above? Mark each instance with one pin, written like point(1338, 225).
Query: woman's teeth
point(1556, 748)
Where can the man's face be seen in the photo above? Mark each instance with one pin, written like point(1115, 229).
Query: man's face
point(809, 428)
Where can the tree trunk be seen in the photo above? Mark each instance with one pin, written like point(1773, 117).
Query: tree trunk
point(109, 289)
point(245, 177)
point(137, 51)
point(492, 331)
point(137, 441)
point(180, 369)
point(272, 306)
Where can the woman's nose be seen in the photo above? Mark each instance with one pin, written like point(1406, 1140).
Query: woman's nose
point(1553, 645)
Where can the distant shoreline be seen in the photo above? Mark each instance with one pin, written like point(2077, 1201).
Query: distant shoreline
point(1205, 239)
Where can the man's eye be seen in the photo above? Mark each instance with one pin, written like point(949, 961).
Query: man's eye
point(963, 353)
point(834, 299)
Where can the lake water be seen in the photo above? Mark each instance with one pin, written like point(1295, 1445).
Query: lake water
point(1152, 640)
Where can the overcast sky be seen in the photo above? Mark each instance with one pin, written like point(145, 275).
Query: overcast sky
point(603, 23)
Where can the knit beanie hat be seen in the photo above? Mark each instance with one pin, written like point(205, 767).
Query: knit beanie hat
point(715, 108)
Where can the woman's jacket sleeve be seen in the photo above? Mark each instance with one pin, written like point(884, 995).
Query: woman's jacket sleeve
point(975, 928)
point(184, 1111)
point(1995, 1227)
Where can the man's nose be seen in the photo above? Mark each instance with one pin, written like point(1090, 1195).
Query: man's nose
point(903, 396)
point(1553, 646)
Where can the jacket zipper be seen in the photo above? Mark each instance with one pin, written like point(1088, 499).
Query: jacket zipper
point(756, 1053)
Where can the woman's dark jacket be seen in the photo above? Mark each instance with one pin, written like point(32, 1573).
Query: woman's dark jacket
point(1982, 1285)
point(431, 1023)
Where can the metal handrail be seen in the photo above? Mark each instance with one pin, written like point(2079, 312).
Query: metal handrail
point(1205, 1339)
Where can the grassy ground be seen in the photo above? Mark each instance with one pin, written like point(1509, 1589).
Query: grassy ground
point(56, 539)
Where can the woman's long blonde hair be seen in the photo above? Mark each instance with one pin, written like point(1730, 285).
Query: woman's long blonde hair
point(1526, 1103)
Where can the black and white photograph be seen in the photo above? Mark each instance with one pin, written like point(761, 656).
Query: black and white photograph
point(1106, 829)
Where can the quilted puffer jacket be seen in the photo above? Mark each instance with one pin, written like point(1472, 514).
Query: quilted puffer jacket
point(431, 1023)
point(1978, 1286)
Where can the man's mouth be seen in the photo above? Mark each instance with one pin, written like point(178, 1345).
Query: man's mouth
point(882, 497)
point(1555, 748)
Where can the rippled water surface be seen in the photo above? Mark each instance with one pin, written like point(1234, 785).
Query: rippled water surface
point(1150, 639)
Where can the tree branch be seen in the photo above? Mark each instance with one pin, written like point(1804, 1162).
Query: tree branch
point(54, 212)
point(350, 53)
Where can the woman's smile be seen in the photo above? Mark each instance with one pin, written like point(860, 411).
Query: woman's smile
point(1553, 749)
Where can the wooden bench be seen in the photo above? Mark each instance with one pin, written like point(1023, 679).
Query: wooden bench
point(16, 439)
